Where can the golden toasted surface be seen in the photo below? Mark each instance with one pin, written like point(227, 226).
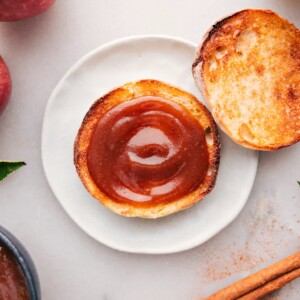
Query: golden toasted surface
point(134, 90)
point(248, 69)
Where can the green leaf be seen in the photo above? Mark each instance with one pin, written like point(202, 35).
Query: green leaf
point(298, 182)
point(7, 167)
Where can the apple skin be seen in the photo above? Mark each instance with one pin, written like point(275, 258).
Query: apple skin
point(5, 85)
point(15, 10)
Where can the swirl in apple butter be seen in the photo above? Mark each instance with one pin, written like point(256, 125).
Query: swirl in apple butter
point(147, 151)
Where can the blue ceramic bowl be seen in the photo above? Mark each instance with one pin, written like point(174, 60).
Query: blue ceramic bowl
point(24, 260)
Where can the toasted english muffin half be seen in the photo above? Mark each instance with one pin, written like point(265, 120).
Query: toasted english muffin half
point(134, 90)
point(248, 70)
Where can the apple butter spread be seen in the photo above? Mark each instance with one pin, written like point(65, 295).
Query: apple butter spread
point(12, 281)
point(147, 151)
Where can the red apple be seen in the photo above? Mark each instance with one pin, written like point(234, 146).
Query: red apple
point(5, 85)
point(14, 10)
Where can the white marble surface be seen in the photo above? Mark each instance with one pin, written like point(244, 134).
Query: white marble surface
point(70, 264)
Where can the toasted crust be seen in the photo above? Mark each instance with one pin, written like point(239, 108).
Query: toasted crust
point(135, 90)
point(248, 69)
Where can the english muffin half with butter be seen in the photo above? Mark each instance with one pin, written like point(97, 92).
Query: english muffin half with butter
point(248, 69)
point(147, 149)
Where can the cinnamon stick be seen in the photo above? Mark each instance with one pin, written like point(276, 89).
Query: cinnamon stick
point(272, 286)
point(263, 282)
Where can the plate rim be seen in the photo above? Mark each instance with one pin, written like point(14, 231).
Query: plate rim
point(124, 248)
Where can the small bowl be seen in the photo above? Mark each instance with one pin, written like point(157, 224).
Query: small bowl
point(24, 260)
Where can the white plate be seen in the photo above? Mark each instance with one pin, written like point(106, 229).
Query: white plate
point(157, 57)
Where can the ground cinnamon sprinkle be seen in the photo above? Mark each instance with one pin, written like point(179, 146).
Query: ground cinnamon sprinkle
point(265, 233)
point(220, 267)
